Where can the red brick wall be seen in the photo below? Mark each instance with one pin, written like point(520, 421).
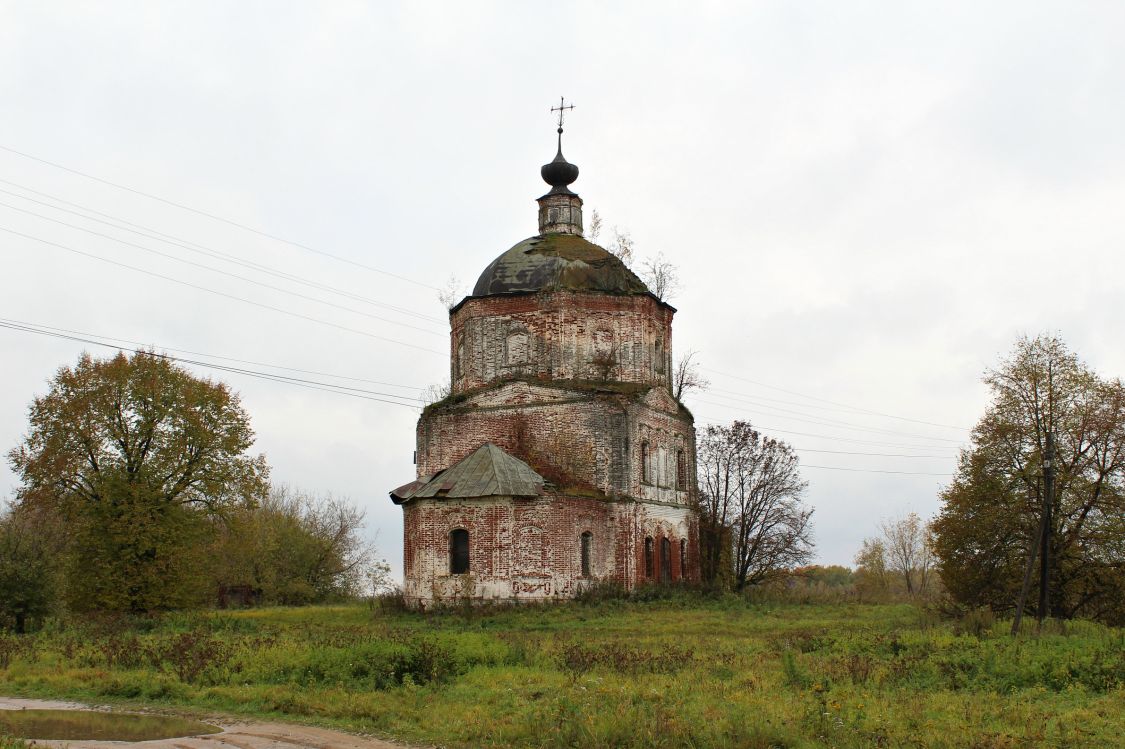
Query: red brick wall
point(560, 335)
point(531, 548)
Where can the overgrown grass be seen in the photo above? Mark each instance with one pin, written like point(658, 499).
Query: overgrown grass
point(676, 670)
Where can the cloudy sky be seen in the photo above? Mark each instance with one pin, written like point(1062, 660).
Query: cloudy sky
point(867, 202)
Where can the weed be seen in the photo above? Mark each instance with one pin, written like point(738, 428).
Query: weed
point(622, 659)
point(190, 655)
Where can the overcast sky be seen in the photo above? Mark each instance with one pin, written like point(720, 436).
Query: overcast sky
point(867, 203)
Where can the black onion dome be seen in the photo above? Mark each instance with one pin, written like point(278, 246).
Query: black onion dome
point(557, 262)
point(559, 173)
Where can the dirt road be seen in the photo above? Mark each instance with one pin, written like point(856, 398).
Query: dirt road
point(237, 733)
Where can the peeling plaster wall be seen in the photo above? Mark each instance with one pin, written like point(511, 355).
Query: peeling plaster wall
point(598, 438)
point(577, 385)
point(561, 335)
point(530, 549)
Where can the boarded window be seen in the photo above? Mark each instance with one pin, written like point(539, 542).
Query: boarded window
point(459, 552)
point(649, 561)
point(603, 343)
point(587, 550)
point(530, 551)
point(665, 560)
point(683, 558)
point(646, 475)
point(516, 348)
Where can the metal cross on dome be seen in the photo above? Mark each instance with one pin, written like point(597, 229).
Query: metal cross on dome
point(561, 109)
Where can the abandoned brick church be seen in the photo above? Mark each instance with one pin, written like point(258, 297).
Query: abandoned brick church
point(560, 456)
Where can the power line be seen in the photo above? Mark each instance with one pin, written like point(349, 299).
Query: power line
point(830, 438)
point(835, 403)
point(880, 455)
point(827, 423)
point(215, 217)
point(220, 271)
point(368, 394)
point(219, 293)
point(309, 384)
point(209, 356)
point(873, 470)
point(151, 233)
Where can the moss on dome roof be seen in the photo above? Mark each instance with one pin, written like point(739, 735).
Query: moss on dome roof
point(557, 262)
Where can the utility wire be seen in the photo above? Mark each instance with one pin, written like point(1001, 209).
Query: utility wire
point(879, 455)
point(219, 293)
point(825, 423)
point(834, 403)
point(222, 272)
point(209, 356)
point(310, 384)
point(151, 233)
point(872, 470)
point(215, 217)
point(367, 394)
point(831, 438)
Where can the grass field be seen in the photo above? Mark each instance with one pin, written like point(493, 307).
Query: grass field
point(683, 671)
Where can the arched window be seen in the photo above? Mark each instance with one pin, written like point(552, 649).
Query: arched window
point(665, 560)
point(649, 561)
point(681, 470)
point(683, 558)
point(646, 476)
point(458, 552)
point(587, 549)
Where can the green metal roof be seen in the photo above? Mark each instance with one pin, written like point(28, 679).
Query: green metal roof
point(552, 262)
point(487, 472)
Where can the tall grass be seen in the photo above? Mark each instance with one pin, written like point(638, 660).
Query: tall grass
point(680, 668)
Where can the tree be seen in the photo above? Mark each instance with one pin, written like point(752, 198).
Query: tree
point(989, 520)
point(661, 276)
point(658, 273)
point(750, 497)
point(135, 455)
point(686, 376)
point(451, 293)
point(907, 550)
point(871, 567)
point(28, 568)
point(293, 548)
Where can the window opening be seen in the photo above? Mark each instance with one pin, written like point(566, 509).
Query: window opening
point(648, 558)
point(645, 477)
point(587, 544)
point(459, 552)
point(681, 470)
point(683, 558)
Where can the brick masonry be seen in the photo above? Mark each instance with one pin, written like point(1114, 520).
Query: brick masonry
point(577, 385)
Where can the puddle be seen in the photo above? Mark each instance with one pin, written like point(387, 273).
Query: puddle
point(74, 725)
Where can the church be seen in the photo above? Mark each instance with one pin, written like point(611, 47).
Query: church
point(560, 456)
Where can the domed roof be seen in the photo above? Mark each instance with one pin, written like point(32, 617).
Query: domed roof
point(552, 262)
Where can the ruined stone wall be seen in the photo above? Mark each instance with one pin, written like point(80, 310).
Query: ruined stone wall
point(530, 549)
point(518, 548)
point(561, 335)
point(597, 440)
